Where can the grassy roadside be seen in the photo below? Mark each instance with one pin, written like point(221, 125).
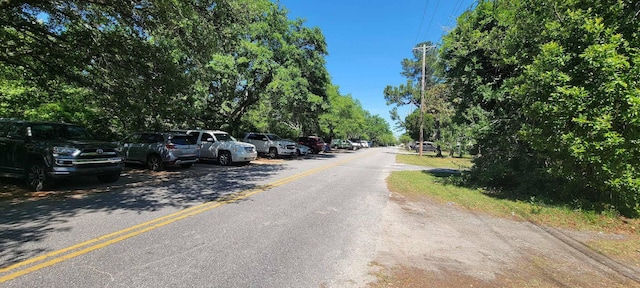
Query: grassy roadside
point(438, 187)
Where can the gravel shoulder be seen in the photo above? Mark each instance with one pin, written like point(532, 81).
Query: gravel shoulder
point(429, 244)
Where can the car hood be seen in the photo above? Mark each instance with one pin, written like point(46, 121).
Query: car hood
point(242, 144)
point(82, 144)
point(232, 144)
point(286, 142)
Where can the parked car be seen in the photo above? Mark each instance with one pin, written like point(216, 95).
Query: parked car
point(271, 144)
point(159, 149)
point(220, 146)
point(42, 152)
point(355, 144)
point(427, 146)
point(343, 144)
point(364, 143)
point(314, 142)
point(301, 149)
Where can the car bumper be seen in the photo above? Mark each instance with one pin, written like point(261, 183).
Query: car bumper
point(288, 152)
point(244, 157)
point(86, 169)
point(182, 160)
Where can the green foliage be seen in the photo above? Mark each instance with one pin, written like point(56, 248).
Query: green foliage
point(551, 90)
point(436, 107)
point(118, 66)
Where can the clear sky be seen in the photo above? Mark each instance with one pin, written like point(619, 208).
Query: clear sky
point(367, 40)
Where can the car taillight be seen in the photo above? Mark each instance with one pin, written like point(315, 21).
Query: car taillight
point(170, 146)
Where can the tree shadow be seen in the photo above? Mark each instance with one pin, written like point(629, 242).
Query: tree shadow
point(443, 172)
point(32, 217)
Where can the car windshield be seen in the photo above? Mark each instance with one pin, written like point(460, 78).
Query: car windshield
point(53, 131)
point(224, 137)
point(274, 137)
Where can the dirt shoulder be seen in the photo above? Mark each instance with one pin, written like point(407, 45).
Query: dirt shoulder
point(428, 244)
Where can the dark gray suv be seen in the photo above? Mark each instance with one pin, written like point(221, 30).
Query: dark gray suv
point(159, 149)
point(42, 152)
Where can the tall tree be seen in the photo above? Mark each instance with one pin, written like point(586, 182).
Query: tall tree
point(410, 93)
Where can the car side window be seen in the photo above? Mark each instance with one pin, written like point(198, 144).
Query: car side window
point(148, 138)
point(196, 134)
point(16, 131)
point(135, 138)
point(4, 127)
point(155, 138)
point(206, 136)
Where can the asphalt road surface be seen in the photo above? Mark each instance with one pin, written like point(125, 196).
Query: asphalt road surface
point(307, 222)
point(326, 220)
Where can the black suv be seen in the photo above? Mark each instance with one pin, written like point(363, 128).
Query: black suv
point(42, 152)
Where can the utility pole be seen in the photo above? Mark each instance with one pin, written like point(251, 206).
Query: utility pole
point(422, 106)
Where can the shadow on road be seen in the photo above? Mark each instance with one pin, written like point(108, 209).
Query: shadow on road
point(27, 217)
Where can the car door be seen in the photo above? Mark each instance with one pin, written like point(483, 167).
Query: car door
point(198, 138)
point(260, 141)
point(132, 147)
point(15, 148)
point(7, 146)
point(209, 146)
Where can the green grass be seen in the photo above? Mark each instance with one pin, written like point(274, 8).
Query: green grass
point(438, 187)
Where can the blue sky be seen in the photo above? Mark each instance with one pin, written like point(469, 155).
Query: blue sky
point(367, 40)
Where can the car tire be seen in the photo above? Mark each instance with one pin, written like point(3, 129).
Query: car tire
point(109, 178)
point(224, 158)
point(273, 153)
point(154, 162)
point(37, 177)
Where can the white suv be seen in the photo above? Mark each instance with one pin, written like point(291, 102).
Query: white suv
point(220, 146)
point(271, 144)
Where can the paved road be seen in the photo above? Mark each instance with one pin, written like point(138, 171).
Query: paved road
point(294, 223)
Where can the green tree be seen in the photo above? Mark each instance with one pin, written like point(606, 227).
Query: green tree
point(377, 130)
point(551, 90)
point(436, 108)
point(345, 118)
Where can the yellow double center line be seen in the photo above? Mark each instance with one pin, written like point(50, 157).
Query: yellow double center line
point(52, 258)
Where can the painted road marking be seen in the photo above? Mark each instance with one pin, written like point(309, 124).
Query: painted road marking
point(55, 257)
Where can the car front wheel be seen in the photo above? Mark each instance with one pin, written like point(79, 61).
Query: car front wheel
point(37, 177)
point(273, 153)
point(224, 158)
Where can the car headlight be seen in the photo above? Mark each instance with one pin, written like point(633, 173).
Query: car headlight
point(65, 151)
point(281, 145)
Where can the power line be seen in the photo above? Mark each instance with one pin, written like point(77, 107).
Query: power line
point(431, 21)
point(424, 12)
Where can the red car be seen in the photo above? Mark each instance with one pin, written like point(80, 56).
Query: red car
point(314, 142)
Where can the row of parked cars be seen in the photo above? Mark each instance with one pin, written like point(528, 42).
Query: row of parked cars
point(349, 144)
point(42, 152)
point(184, 148)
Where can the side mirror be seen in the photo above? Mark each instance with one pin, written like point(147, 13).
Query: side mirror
point(210, 140)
